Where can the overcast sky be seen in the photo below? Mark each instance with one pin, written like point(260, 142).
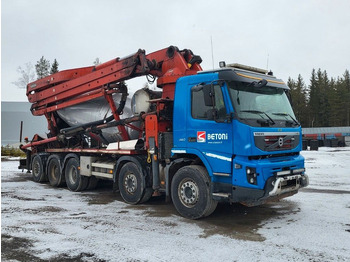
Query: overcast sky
point(291, 37)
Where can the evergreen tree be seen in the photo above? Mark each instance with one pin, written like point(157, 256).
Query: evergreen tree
point(313, 99)
point(347, 80)
point(298, 94)
point(346, 83)
point(42, 68)
point(302, 101)
point(324, 107)
point(319, 96)
point(343, 92)
point(54, 67)
point(291, 84)
point(326, 102)
point(333, 103)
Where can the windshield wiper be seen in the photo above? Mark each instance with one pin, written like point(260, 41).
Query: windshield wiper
point(259, 113)
point(285, 114)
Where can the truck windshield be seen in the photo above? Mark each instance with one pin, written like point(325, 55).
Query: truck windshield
point(266, 103)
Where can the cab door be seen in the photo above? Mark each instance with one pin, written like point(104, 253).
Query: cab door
point(209, 129)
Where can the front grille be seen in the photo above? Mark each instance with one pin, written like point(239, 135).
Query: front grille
point(276, 142)
point(279, 141)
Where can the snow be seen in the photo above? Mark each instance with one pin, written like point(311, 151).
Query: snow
point(313, 225)
point(329, 167)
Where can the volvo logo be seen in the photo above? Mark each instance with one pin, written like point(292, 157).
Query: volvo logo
point(280, 141)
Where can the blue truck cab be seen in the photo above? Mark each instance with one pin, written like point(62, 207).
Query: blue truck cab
point(238, 123)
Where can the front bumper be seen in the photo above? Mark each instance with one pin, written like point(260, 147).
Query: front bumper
point(276, 187)
point(288, 183)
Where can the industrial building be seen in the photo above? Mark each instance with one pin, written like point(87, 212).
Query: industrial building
point(326, 136)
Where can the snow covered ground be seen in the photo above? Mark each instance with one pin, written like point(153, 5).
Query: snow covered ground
point(40, 223)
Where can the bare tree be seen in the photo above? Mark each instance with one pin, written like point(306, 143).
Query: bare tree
point(97, 61)
point(27, 75)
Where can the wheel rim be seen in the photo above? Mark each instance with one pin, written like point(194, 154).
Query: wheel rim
point(188, 192)
point(130, 183)
point(73, 175)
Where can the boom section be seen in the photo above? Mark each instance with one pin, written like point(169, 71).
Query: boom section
point(75, 86)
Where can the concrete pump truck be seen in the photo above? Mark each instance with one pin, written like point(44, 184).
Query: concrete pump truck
point(208, 136)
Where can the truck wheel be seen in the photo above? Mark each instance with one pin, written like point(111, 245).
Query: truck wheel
point(131, 184)
point(147, 195)
point(54, 173)
point(38, 171)
point(190, 192)
point(75, 181)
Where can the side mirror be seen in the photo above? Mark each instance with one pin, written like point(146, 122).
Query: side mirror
point(209, 95)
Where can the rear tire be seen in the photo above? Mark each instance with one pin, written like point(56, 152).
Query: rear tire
point(190, 192)
point(54, 172)
point(38, 171)
point(75, 181)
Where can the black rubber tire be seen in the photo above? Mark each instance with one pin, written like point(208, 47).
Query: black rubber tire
point(75, 181)
point(131, 185)
point(190, 192)
point(38, 170)
point(147, 195)
point(54, 174)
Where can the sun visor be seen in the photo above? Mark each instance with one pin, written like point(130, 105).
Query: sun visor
point(250, 77)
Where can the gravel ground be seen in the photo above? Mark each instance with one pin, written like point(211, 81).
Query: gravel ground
point(40, 223)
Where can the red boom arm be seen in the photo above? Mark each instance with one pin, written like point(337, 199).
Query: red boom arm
point(70, 87)
point(75, 86)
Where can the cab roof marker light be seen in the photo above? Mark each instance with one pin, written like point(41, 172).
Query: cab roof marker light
point(222, 64)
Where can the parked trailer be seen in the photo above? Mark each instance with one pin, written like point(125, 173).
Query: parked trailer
point(326, 136)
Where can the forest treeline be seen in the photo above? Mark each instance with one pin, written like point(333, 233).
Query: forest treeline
point(325, 102)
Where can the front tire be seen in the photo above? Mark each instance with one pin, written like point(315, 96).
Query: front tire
point(190, 192)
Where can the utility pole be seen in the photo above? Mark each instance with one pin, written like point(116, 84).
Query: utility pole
point(20, 132)
point(212, 51)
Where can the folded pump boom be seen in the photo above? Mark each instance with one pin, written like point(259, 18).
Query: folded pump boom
point(75, 86)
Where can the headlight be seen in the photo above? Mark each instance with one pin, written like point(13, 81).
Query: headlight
point(252, 175)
